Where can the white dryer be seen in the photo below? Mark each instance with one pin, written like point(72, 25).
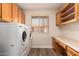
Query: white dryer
point(13, 38)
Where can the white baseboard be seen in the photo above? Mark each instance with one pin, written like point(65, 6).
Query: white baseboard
point(41, 46)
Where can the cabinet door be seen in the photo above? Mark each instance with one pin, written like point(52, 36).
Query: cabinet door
point(58, 48)
point(20, 16)
point(69, 54)
point(15, 13)
point(58, 19)
point(23, 18)
point(0, 11)
point(7, 12)
point(72, 51)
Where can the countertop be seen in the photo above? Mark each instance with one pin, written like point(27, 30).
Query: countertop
point(74, 44)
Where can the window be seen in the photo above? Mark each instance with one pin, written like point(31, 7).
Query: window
point(40, 24)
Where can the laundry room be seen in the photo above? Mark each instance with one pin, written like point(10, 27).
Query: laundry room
point(39, 29)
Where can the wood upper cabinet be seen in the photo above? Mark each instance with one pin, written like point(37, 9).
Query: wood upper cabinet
point(18, 15)
point(15, 13)
point(10, 12)
point(77, 10)
point(69, 13)
point(6, 12)
point(0, 11)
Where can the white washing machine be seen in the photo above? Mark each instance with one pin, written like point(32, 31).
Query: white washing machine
point(13, 39)
point(29, 41)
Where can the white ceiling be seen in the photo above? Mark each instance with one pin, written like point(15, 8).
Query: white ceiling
point(28, 6)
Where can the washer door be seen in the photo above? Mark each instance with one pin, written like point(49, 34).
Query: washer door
point(24, 36)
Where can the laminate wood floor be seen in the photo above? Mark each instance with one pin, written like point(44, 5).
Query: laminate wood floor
point(42, 52)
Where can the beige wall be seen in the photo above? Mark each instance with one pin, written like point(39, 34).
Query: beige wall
point(43, 40)
point(71, 30)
